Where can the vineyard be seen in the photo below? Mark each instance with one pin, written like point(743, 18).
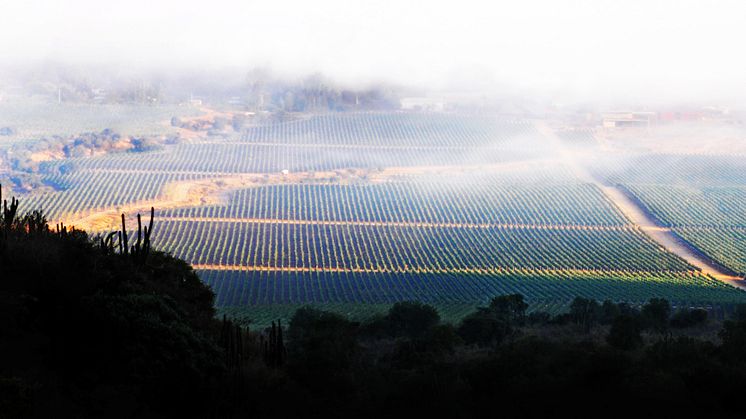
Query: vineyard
point(82, 192)
point(231, 157)
point(400, 130)
point(726, 246)
point(261, 294)
point(449, 209)
point(480, 201)
point(412, 248)
point(679, 206)
point(577, 138)
point(670, 169)
point(701, 197)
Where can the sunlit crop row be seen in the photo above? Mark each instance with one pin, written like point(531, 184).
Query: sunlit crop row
point(411, 249)
point(470, 202)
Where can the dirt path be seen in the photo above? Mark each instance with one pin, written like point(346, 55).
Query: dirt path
point(665, 237)
point(662, 235)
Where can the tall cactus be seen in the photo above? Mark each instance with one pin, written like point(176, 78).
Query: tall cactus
point(274, 346)
point(141, 249)
point(232, 339)
point(9, 213)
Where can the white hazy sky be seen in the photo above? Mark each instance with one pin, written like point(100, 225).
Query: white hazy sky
point(681, 48)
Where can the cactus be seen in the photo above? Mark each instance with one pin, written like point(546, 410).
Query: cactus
point(232, 338)
point(9, 213)
point(274, 347)
point(141, 249)
point(123, 239)
point(107, 242)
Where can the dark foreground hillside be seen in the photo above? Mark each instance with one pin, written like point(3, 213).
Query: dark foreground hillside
point(100, 328)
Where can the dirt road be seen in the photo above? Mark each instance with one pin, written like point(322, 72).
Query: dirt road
point(666, 237)
point(662, 235)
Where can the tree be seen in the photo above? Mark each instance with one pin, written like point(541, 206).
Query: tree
point(688, 317)
point(655, 314)
point(609, 311)
point(238, 121)
point(625, 332)
point(585, 312)
point(483, 328)
point(538, 317)
point(733, 336)
point(219, 123)
point(510, 308)
point(320, 343)
point(411, 318)
point(491, 325)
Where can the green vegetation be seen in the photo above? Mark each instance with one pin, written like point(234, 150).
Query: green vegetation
point(479, 199)
point(680, 206)
point(399, 130)
point(503, 218)
point(700, 197)
point(128, 331)
point(80, 191)
point(414, 249)
point(264, 296)
point(725, 246)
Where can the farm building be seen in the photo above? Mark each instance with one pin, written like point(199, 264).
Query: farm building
point(423, 104)
point(628, 119)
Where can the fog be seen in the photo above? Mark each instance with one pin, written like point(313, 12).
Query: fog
point(654, 51)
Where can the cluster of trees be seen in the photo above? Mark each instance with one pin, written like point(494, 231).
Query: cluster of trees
point(215, 126)
point(27, 162)
point(312, 94)
point(502, 359)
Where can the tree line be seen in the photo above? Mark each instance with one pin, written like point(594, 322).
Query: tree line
point(109, 327)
